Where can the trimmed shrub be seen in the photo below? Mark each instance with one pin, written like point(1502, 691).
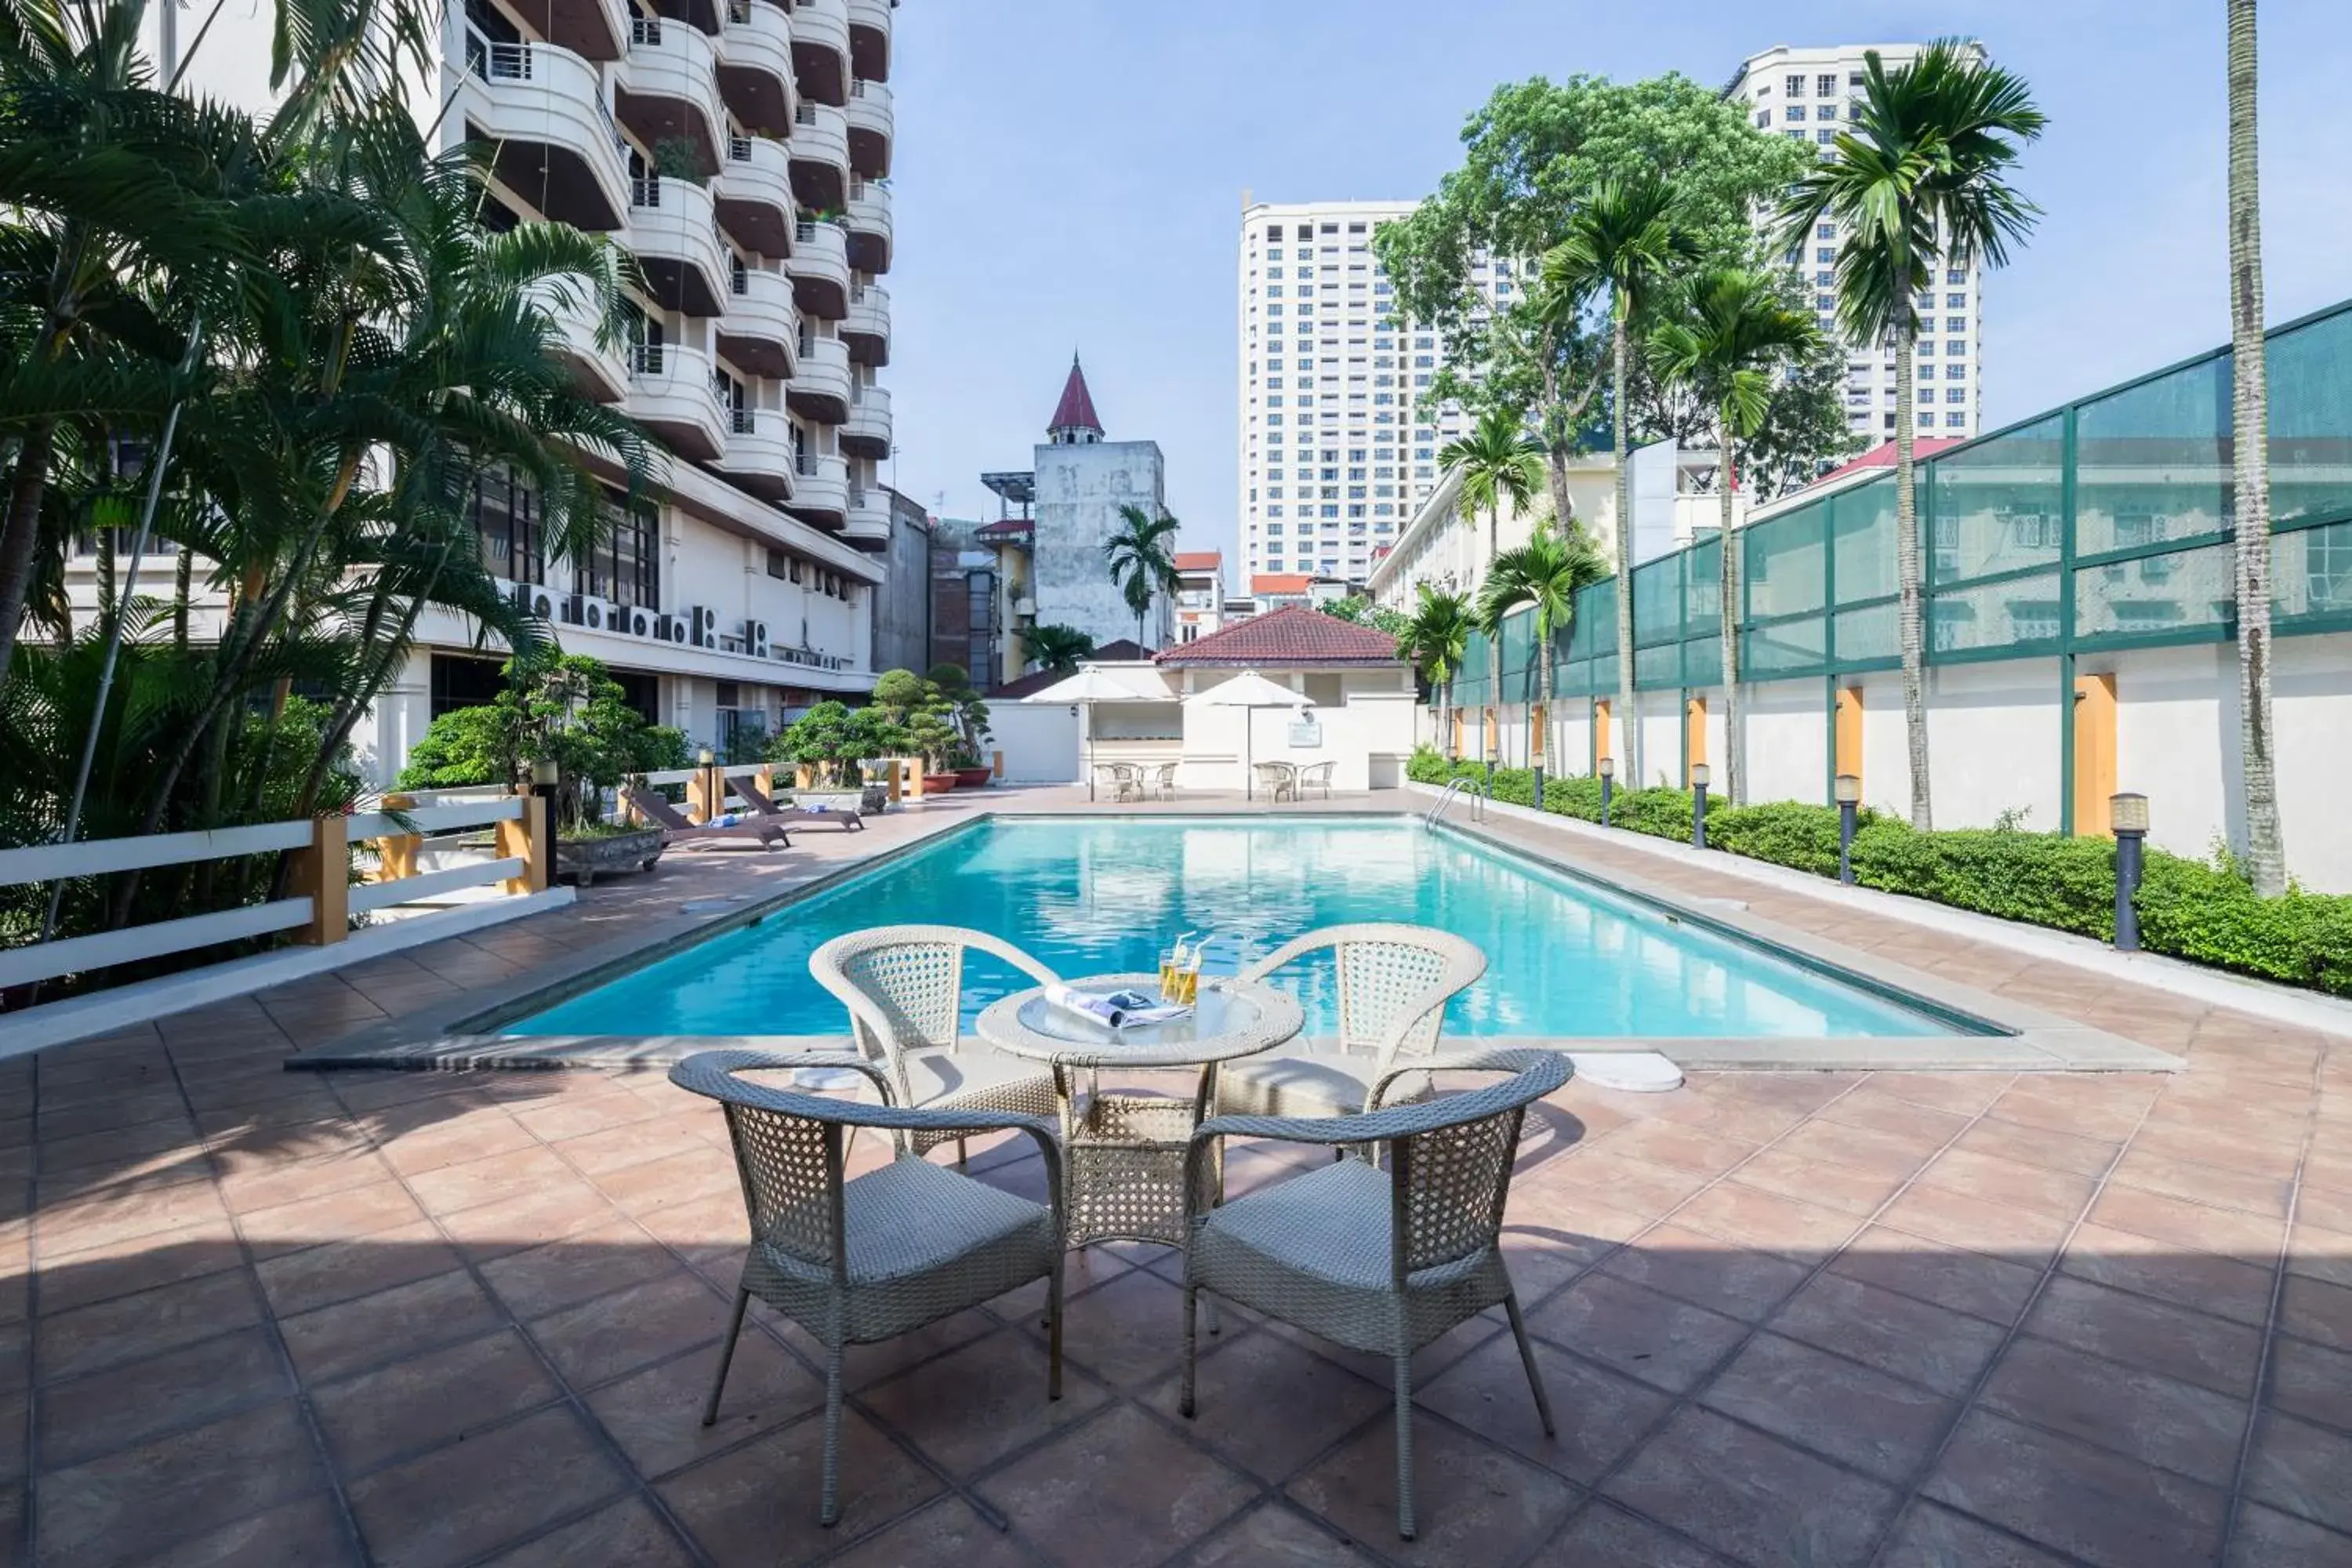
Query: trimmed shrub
point(2209, 913)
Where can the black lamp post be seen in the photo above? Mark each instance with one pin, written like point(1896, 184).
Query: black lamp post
point(2127, 814)
point(1700, 776)
point(1608, 767)
point(1849, 803)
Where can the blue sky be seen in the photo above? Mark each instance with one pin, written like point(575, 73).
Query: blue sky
point(1069, 174)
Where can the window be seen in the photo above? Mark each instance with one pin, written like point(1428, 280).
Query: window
point(1926, 422)
point(1824, 302)
point(1927, 347)
point(1825, 85)
point(1855, 79)
point(1956, 323)
point(1824, 277)
point(1825, 253)
point(1956, 421)
point(1825, 231)
point(1330, 511)
point(1956, 301)
point(1795, 85)
point(508, 523)
point(1763, 118)
point(1956, 394)
point(1826, 112)
point(1825, 137)
point(1796, 112)
point(1955, 346)
point(1955, 372)
point(1956, 275)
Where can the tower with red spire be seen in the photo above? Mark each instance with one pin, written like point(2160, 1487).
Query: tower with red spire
point(1074, 423)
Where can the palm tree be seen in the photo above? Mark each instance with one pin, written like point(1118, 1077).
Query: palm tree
point(1917, 181)
point(1499, 460)
point(1142, 562)
point(1056, 647)
point(1735, 329)
point(2250, 404)
point(1434, 639)
point(1545, 573)
point(1627, 241)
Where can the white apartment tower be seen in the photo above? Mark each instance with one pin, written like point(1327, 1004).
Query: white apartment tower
point(1335, 455)
point(738, 151)
point(1808, 95)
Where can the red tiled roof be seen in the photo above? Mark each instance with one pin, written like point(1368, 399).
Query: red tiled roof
point(1287, 638)
point(1199, 560)
point(1280, 582)
point(1078, 405)
point(1006, 528)
point(1883, 457)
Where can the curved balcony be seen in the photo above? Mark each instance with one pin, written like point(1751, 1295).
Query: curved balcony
point(601, 368)
point(820, 154)
point(819, 388)
point(867, 328)
point(754, 194)
point(673, 233)
point(762, 329)
point(869, 221)
point(595, 29)
point(821, 49)
point(870, 23)
point(867, 432)
point(669, 395)
point(866, 521)
point(870, 122)
point(755, 65)
point(819, 266)
point(542, 109)
point(819, 489)
point(669, 87)
point(759, 454)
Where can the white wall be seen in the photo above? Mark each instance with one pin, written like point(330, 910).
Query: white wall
point(1788, 740)
point(1040, 742)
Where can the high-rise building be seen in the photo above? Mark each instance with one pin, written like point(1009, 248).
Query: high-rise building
point(739, 151)
point(1334, 453)
point(1808, 95)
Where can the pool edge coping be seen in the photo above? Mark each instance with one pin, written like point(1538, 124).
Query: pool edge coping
point(450, 1035)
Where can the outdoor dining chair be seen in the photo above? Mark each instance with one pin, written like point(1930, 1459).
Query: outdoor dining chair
point(1392, 982)
point(903, 986)
point(1315, 775)
point(858, 1260)
point(1381, 1260)
point(1163, 780)
point(1279, 780)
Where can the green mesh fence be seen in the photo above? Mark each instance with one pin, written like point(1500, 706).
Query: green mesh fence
point(2105, 523)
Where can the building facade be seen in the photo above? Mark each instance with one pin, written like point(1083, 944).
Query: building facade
point(1808, 95)
point(739, 153)
point(1200, 601)
point(1335, 453)
point(902, 604)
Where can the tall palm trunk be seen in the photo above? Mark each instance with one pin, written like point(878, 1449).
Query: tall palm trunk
point(2250, 430)
point(1734, 749)
point(1628, 723)
point(1543, 700)
point(1909, 569)
point(20, 528)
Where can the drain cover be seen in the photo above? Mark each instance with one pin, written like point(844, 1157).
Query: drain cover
point(1634, 1072)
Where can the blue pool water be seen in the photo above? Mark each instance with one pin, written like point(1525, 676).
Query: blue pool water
point(1564, 958)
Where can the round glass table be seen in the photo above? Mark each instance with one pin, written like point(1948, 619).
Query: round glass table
point(1123, 1154)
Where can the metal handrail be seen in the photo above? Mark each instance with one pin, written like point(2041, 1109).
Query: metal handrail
point(1477, 789)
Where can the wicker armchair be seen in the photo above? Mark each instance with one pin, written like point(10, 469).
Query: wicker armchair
point(1394, 982)
point(1315, 775)
point(870, 1258)
point(902, 986)
point(1379, 1260)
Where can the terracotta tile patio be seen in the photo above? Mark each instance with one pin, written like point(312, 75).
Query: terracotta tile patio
point(1903, 1320)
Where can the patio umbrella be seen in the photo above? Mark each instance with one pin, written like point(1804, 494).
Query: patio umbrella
point(1086, 688)
point(1249, 692)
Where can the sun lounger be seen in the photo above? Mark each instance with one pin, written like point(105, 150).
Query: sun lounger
point(677, 831)
point(849, 817)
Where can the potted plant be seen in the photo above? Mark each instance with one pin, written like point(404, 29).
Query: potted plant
point(567, 711)
point(968, 712)
point(832, 740)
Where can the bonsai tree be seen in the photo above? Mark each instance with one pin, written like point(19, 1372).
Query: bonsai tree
point(968, 713)
point(831, 737)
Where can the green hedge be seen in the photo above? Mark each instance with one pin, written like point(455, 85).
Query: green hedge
point(2188, 908)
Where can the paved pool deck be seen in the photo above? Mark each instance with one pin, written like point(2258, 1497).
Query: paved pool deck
point(1890, 1318)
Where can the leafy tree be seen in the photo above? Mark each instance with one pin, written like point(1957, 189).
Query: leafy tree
point(2249, 403)
point(1733, 336)
point(1141, 551)
point(1533, 154)
point(566, 710)
point(1435, 638)
point(1499, 461)
point(833, 734)
point(1056, 647)
point(1358, 610)
point(1625, 243)
point(1543, 575)
point(1917, 179)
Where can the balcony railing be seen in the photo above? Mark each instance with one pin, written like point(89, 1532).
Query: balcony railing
point(644, 30)
point(743, 421)
point(645, 358)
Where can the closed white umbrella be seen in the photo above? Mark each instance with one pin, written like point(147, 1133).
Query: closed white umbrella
point(1249, 690)
point(1089, 686)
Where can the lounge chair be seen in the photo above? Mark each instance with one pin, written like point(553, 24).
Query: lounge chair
point(850, 819)
point(677, 831)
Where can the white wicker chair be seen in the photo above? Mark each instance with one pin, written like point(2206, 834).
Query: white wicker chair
point(1394, 982)
point(1379, 1260)
point(902, 986)
point(856, 1261)
point(1315, 775)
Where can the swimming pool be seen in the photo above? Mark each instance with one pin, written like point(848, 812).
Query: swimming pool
point(1566, 958)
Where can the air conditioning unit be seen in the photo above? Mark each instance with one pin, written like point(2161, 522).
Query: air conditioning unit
point(575, 610)
point(532, 600)
point(1024, 605)
point(616, 619)
point(755, 638)
point(669, 628)
point(508, 589)
point(641, 622)
point(702, 628)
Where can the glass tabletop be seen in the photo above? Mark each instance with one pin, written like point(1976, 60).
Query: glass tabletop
point(1229, 1018)
point(1215, 1015)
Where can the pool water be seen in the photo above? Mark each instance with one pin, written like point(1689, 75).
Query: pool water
point(1564, 958)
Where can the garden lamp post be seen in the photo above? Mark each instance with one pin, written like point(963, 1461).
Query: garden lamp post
point(1849, 801)
point(2127, 814)
point(1608, 766)
point(546, 778)
point(1700, 776)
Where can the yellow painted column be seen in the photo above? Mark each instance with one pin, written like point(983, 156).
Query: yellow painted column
point(322, 873)
point(397, 852)
point(524, 836)
point(1604, 740)
point(2094, 753)
point(1848, 729)
point(1693, 735)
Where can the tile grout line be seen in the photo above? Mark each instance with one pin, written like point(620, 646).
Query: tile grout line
point(1973, 1397)
point(2234, 1508)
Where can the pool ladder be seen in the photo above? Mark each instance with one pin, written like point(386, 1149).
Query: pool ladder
point(1477, 791)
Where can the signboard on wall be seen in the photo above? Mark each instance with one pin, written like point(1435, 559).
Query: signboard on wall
point(1306, 734)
